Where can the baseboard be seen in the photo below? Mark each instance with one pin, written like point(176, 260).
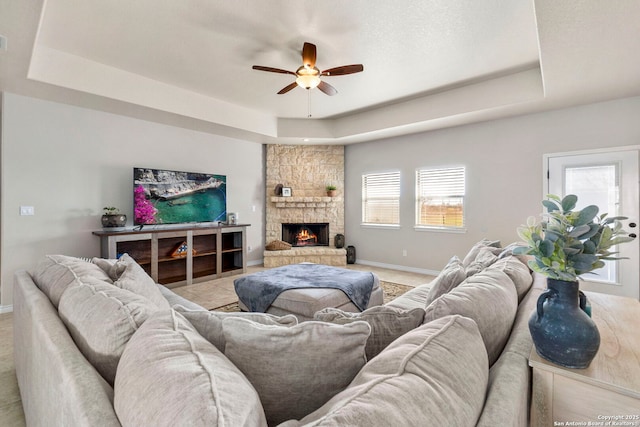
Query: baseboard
point(399, 267)
point(6, 309)
point(256, 262)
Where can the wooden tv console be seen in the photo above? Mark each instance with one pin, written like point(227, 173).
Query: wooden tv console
point(211, 251)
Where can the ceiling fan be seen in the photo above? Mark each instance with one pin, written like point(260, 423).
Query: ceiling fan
point(308, 75)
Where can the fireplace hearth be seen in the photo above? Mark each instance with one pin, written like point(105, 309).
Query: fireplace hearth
point(306, 234)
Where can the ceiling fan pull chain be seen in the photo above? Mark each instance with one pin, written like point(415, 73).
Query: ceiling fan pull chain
point(309, 103)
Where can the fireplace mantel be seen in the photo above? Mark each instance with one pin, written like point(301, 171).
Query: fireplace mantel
point(305, 202)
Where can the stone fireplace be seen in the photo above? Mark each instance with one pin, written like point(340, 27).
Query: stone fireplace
point(306, 170)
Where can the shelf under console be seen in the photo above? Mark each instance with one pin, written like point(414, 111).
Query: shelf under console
point(181, 255)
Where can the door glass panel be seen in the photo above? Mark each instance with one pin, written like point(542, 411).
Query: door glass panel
point(596, 185)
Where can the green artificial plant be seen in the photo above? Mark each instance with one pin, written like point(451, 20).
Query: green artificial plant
point(110, 210)
point(568, 243)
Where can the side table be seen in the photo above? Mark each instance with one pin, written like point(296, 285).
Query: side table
point(607, 393)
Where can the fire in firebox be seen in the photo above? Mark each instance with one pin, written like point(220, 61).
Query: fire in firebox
point(306, 237)
point(306, 234)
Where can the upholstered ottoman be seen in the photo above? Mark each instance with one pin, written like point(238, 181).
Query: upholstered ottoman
point(304, 302)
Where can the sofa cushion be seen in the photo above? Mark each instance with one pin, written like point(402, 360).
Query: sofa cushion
point(209, 323)
point(175, 299)
point(169, 375)
point(451, 276)
point(520, 341)
point(55, 273)
point(519, 274)
point(295, 370)
point(490, 299)
point(475, 250)
point(435, 375)
point(413, 298)
point(130, 276)
point(507, 402)
point(101, 318)
point(486, 256)
point(387, 324)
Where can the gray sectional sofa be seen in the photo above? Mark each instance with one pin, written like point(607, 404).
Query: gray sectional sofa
point(97, 343)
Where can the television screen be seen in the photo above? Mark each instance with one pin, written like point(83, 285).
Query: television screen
point(172, 197)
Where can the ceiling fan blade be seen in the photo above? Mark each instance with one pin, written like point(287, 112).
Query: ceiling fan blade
point(341, 71)
point(287, 88)
point(309, 55)
point(327, 88)
point(272, 70)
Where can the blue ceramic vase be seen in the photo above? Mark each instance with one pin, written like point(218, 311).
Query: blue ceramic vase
point(562, 331)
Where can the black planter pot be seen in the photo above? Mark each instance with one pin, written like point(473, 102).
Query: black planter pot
point(562, 331)
point(114, 220)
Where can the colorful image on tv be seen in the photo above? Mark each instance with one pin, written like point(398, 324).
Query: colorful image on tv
point(172, 197)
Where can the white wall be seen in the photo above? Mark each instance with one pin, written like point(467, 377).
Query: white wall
point(69, 162)
point(503, 161)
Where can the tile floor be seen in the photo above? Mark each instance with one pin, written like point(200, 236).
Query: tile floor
point(211, 294)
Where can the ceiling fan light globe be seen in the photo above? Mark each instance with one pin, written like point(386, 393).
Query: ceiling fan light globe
point(308, 81)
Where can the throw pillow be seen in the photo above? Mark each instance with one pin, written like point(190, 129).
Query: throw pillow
point(486, 256)
point(297, 369)
point(475, 249)
point(107, 266)
point(435, 375)
point(387, 324)
point(101, 319)
point(451, 276)
point(133, 278)
point(209, 323)
point(169, 375)
point(490, 299)
point(55, 273)
point(519, 274)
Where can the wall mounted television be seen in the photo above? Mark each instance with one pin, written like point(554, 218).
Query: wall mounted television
point(173, 197)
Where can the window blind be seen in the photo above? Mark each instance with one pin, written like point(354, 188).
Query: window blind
point(440, 197)
point(381, 198)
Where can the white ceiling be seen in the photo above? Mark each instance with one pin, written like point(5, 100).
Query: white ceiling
point(427, 63)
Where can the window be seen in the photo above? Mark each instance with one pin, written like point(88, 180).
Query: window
point(381, 198)
point(440, 197)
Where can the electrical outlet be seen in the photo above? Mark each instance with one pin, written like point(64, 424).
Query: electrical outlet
point(404, 252)
point(27, 210)
point(248, 248)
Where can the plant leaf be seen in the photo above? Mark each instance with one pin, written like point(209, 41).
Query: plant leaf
point(552, 235)
point(589, 247)
point(587, 215)
point(577, 232)
point(594, 230)
point(546, 247)
point(521, 250)
point(550, 205)
point(571, 251)
point(569, 202)
point(612, 219)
